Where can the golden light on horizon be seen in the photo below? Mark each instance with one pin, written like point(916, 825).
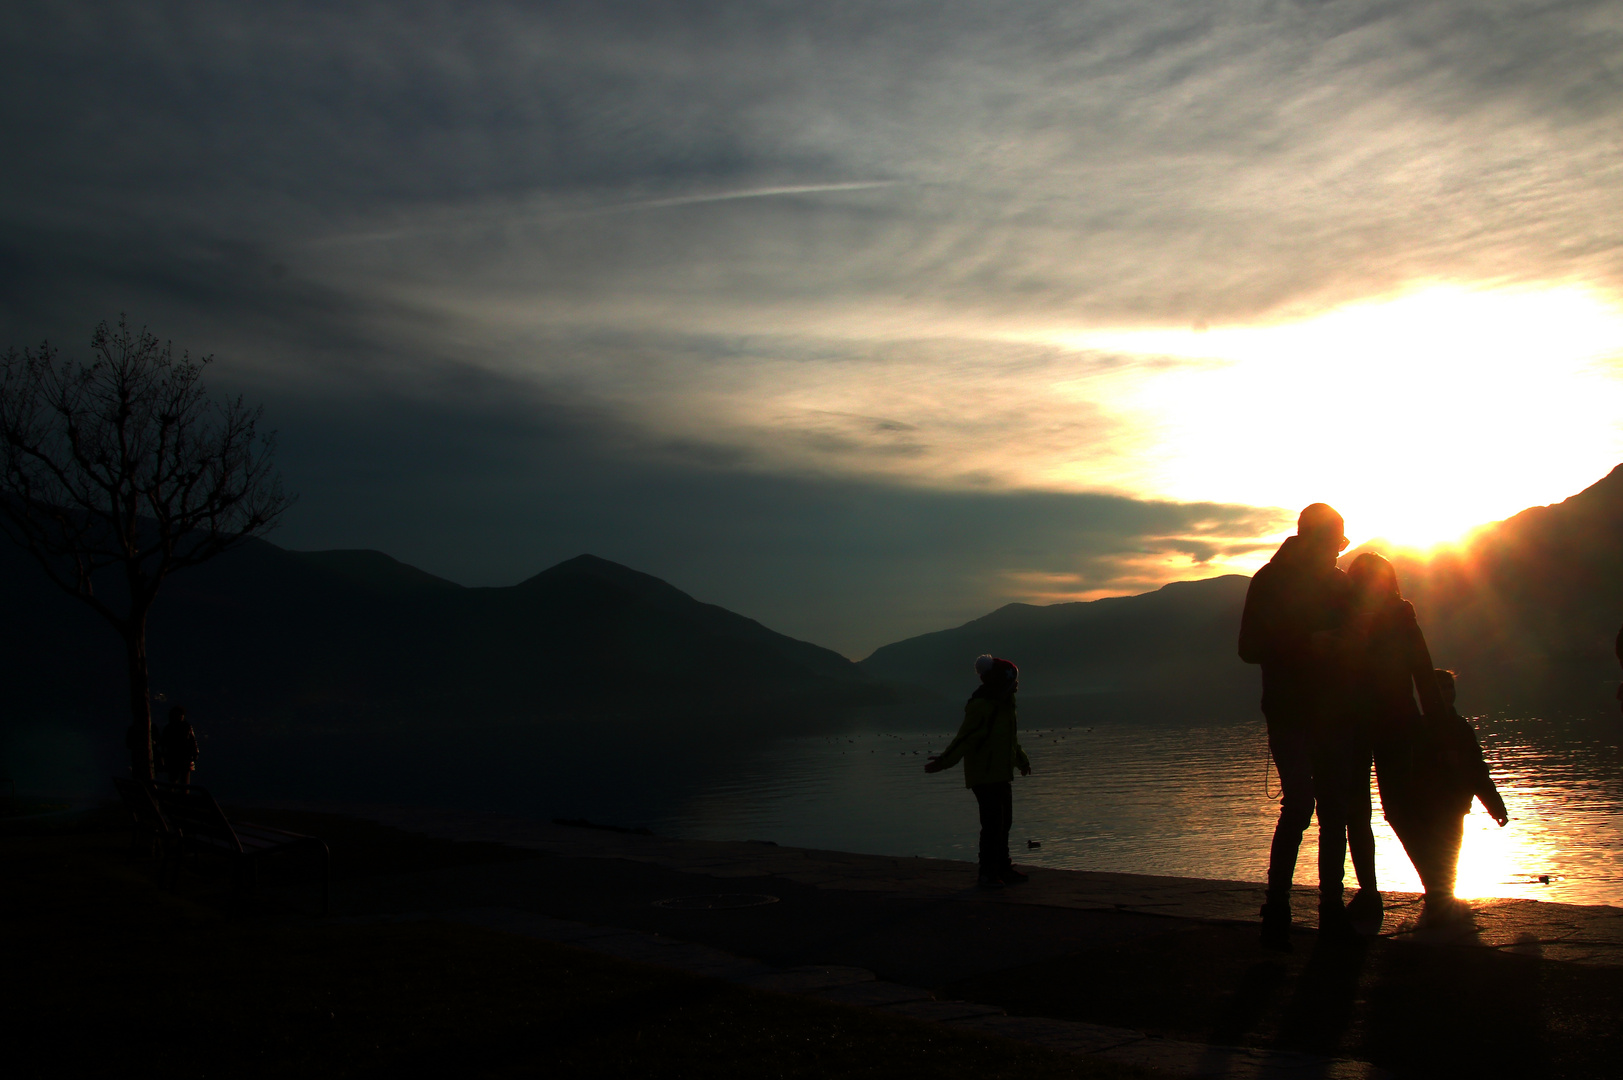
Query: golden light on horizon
point(1419, 417)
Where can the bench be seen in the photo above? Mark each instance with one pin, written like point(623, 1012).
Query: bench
point(197, 826)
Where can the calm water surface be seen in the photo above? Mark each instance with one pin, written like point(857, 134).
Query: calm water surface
point(1187, 801)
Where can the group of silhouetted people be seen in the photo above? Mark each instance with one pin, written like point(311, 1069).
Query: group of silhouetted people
point(173, 750)
point(1343, 661)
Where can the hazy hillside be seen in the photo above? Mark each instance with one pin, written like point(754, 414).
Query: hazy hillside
point(1528, 610)
point(1172, 649)
point(341, 639)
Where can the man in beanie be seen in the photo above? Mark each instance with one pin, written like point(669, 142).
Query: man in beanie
point(989, 745)
point(1293, 608)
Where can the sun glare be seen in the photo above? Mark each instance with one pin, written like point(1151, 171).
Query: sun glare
point(1418, 417)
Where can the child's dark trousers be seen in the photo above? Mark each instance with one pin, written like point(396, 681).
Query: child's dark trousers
point(997, 816)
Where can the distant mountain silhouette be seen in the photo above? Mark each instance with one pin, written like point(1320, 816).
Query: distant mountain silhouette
point(267, 637)
point(284, 655)
point(1167, 653)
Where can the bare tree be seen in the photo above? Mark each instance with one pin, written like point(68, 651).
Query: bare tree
point(124, 470)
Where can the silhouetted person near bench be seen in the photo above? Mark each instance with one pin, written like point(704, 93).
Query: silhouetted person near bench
point(179, 747)
point(988, 742)
point(1427, 772)
point(1293, 608)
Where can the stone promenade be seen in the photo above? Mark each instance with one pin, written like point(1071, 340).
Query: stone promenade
point(880, 932)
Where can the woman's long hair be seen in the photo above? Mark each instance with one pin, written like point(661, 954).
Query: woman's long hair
point(1373, 574)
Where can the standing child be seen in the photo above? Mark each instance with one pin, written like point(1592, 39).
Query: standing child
point(1448, 772)
point(989, 745)
point(1460, 775)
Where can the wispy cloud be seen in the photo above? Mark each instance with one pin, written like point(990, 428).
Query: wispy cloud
point(508, 218)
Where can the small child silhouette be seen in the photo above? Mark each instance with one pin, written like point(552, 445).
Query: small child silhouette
point(988, 742)
point(1460, 775)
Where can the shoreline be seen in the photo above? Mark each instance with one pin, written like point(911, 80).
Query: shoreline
point(1113, 971)
point(1577, 933)
point(543, 835)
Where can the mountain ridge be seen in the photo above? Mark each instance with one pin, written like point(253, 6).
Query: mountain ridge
point(1172, 645)
point(301, 651)
point(1526, 609)
point(273, 636)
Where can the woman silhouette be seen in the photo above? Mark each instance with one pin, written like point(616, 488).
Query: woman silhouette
point(1389, 665)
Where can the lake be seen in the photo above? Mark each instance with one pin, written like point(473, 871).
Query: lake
point(1157, 798)
point(1188, 801)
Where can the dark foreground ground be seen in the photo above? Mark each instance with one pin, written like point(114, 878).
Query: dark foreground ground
point(105, 975)
point(104, 970)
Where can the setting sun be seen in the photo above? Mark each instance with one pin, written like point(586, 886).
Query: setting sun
point(1419, 417)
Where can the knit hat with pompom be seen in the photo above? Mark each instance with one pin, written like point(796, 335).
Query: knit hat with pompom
point(995, 669)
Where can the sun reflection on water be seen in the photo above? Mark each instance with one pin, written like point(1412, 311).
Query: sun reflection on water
point(1174, 800)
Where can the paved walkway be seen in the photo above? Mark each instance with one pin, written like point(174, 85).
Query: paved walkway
point(859, 987)
point(1572, 932)
point(619, 919)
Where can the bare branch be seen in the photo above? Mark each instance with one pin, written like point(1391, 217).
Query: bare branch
point(126, 462)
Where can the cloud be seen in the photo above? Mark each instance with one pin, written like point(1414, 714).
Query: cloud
point(843, 251)
point(1127, 160)
point(482, 480)
point(508, 217)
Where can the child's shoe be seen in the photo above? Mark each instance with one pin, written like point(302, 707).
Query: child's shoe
point(1444, 913)
point(1011, 876)
point(1276, 925)
point(989, 881)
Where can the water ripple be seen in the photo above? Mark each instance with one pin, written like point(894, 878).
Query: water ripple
point(1168, 800)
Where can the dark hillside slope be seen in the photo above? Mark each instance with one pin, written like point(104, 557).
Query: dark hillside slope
point(1170, 649)
point(672, 635)
point(354, 639)
point(376, 571)
point(1528, 609)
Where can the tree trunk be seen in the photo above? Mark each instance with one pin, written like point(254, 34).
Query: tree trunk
point(139, 738)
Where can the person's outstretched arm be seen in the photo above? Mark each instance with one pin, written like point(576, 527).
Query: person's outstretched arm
point(1482, 785)
point(1493, 802)
point(970, 734)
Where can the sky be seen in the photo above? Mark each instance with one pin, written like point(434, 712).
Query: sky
point(858, 319)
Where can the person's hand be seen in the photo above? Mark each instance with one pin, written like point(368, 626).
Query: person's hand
point(1025, 770)
point(1497, 811)
point(933, 763)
